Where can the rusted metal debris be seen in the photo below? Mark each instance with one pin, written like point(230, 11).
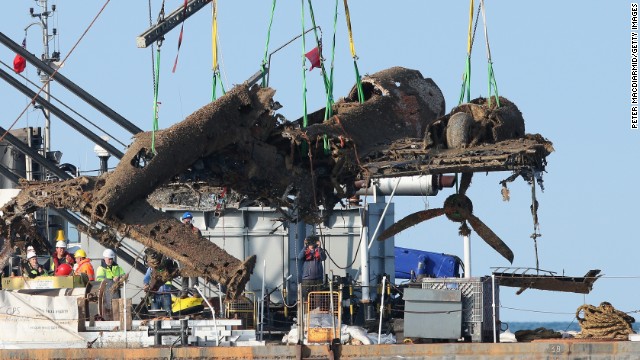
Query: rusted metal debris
point(451, 145)
point(139, 221)
point(240, 142)
point(580, 285)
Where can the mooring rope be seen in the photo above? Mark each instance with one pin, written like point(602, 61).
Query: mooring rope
point(604, 322)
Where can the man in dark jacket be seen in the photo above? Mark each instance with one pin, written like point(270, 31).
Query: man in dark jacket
point(312, 271)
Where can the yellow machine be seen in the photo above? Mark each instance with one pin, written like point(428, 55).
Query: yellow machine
point(42, 282)
point(187, 305)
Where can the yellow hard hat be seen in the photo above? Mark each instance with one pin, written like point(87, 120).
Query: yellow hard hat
point(80, 253)
point(60, 236)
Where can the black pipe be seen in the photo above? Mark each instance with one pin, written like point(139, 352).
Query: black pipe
point(61, 114)
point(35, 156)
point(158, 332)
point(70, 85)
point(104, 164)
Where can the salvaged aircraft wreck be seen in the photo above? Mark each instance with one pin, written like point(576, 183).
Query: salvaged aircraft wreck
point(240, 142)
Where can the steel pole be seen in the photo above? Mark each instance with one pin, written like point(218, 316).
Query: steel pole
point(467, 256)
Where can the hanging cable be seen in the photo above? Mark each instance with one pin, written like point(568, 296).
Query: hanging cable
point(353, 53)
point(153, 70)
point(493, 85)
point(328, 91)
point(55, 70)
point(266, 46)
point(155, 102)
point(319, 45)
point(328, 110)
point(466, 76)
point(184, 17)
point(534, 214)
point(304, 71)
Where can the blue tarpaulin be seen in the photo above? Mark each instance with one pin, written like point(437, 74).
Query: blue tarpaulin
point(425, 263)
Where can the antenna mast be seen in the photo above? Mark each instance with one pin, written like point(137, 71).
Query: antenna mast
point(43, 16)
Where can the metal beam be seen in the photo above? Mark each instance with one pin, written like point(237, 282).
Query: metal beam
point(176, 17)
point(25, 149)
point(61, 114)
point(6, 172)
point(70, 85)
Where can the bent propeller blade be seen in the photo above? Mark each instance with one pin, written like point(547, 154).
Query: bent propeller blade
point(409, 221)
point(490, 237)
point(465, 182)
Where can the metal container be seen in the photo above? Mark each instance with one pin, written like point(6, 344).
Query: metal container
point(478, 297)
point(432, 314)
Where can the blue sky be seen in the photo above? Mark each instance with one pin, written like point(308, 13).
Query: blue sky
point(566, 65)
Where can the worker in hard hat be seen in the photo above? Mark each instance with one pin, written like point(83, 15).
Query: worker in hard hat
point(84, 265)
point(187, 219)
point(108, 268)
point(161, 298)
point(32, 268)
point(60, 254)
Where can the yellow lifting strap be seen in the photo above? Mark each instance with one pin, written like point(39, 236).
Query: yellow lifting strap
point(470, 35)
point(466, 76)
point(214, 36)
point(351, 45)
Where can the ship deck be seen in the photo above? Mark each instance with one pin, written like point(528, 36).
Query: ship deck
point(545, 349)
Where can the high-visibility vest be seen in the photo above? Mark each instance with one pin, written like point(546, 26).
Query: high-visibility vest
point(85, 267)
point(109, 273)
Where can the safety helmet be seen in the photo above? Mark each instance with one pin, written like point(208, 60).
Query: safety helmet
point(61, 244)
point(108, 253)
point(80, 253)
point(63, 270)
point(186, 215)
point(31, 254)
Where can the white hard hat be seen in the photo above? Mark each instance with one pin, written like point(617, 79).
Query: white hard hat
point(61, 244)
point(31, 254)
point(108, 253)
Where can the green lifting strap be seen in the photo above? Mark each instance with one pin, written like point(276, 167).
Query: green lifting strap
point(329, 109)
point(358, 82)
point(466, 82)
point(155, 102)
point(216, 78)
point(493, 85)
point(266, 47)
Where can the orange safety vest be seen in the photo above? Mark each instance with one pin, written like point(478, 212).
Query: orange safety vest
point(85, 266)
